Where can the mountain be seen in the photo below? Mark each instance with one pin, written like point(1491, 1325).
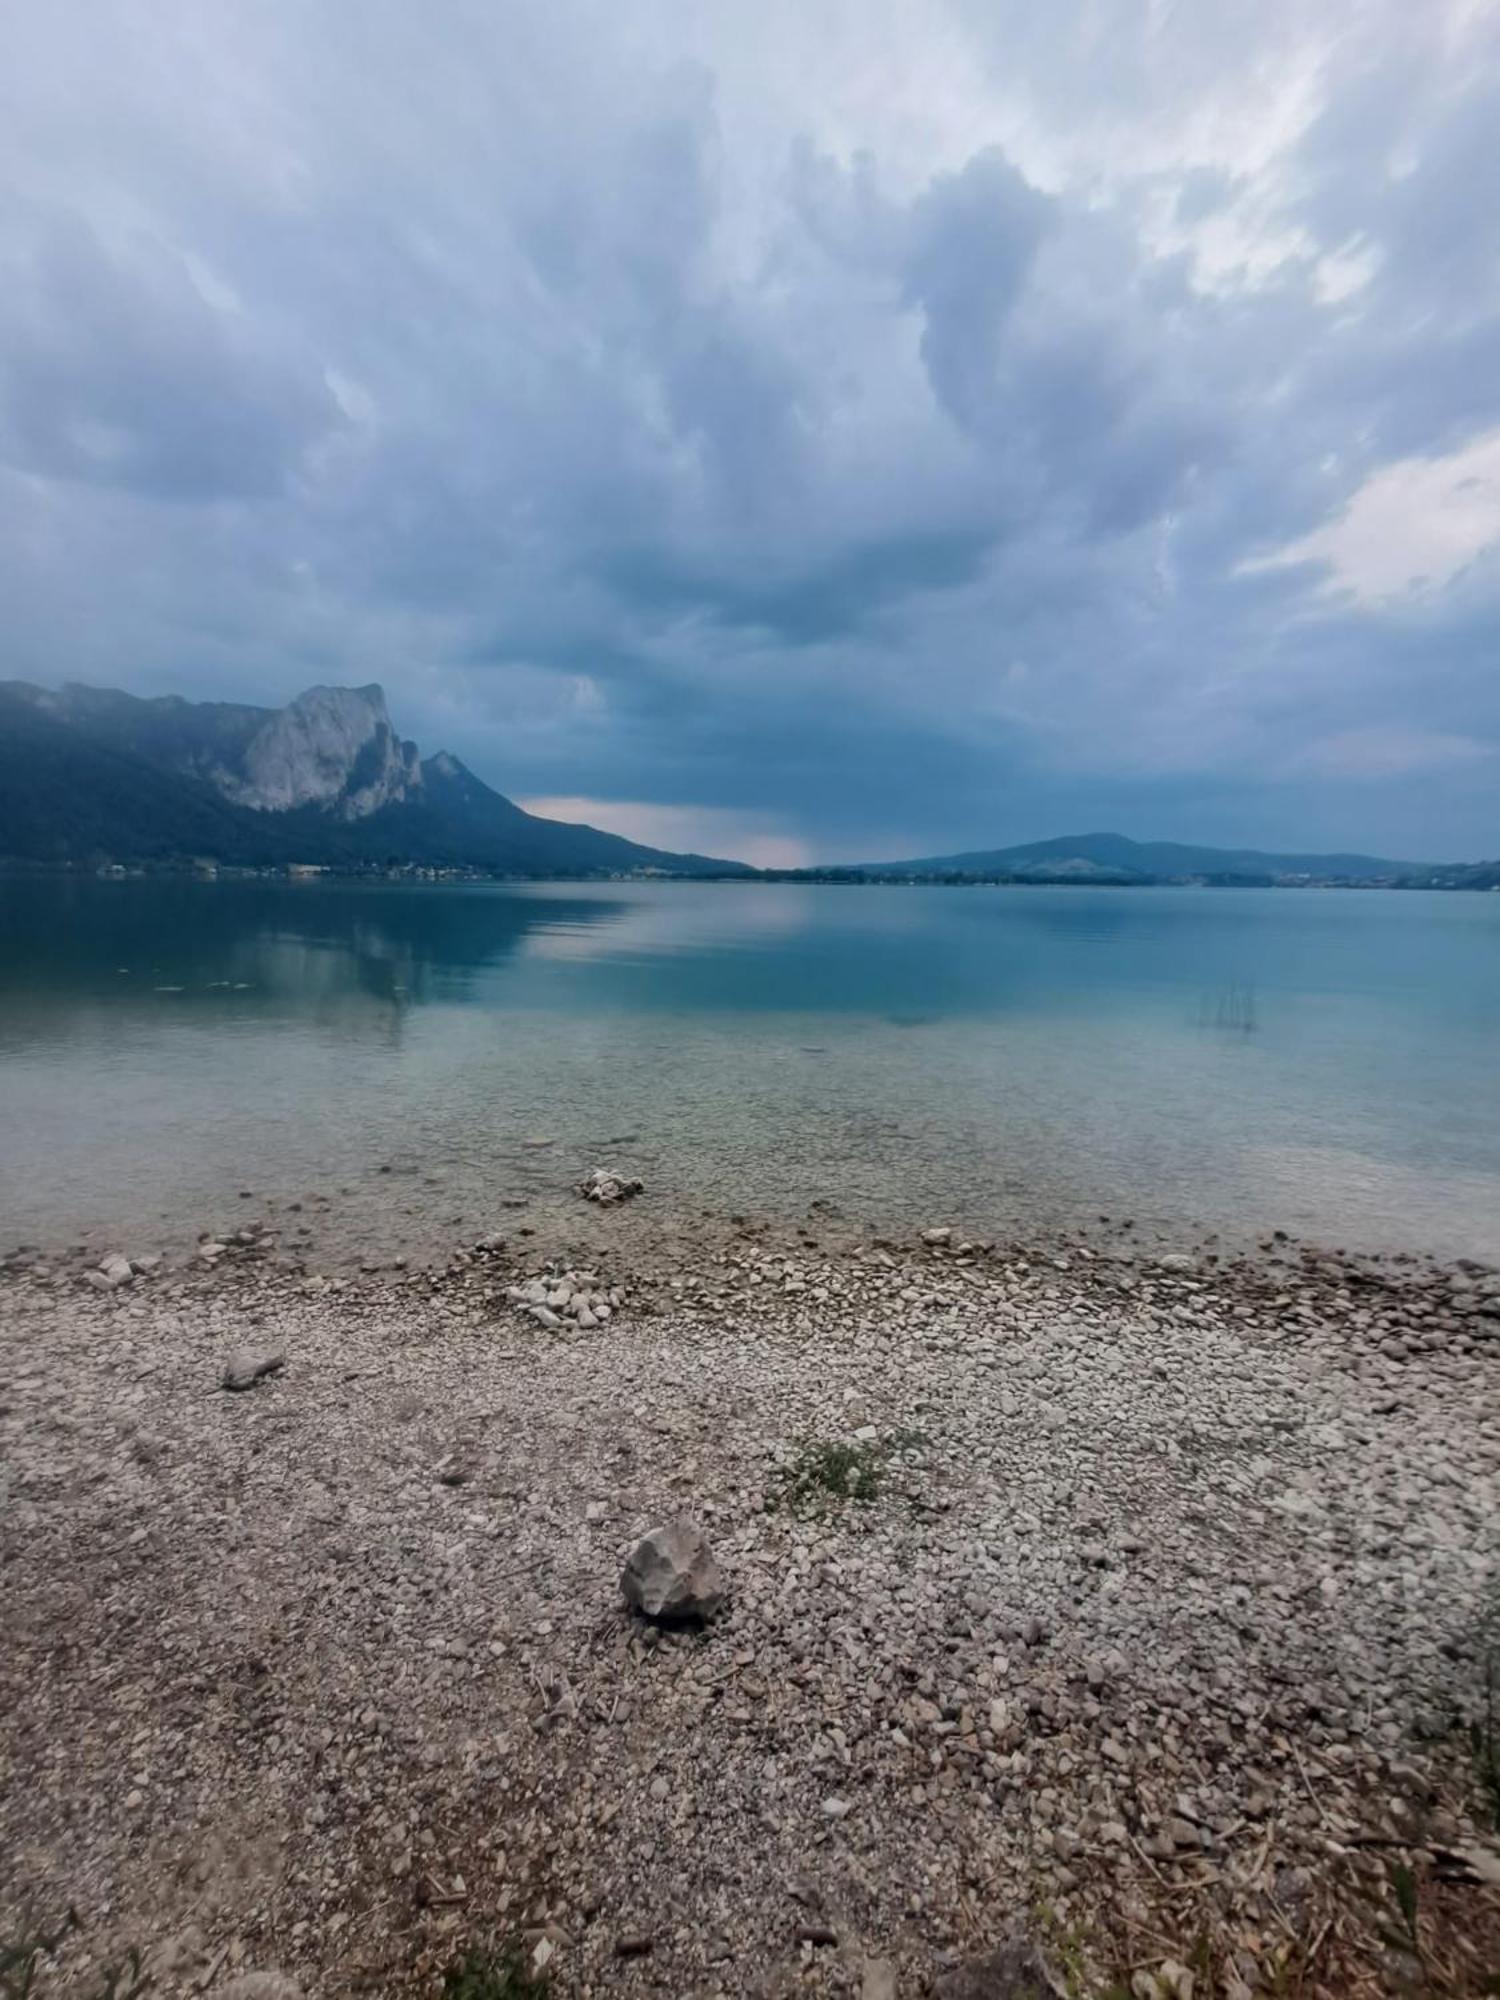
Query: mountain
point(1110, 857)
point(333, 748)
point(1459, 875)
point(93, 774)
point(66, 797)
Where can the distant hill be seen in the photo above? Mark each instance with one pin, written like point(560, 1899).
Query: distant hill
point(1461, 875)
point(93, 775)
point(1110, 857)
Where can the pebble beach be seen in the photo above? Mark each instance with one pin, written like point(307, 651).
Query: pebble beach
point(1094, 1620)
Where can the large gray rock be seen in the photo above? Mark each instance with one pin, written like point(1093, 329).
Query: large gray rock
point(607, 1186)
point(1014, 1970)
point(261, 1986)
point(672, 1575)
point(879, 1980)
point(246, 1366)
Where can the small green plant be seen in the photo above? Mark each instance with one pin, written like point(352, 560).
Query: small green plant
point(126, 1981)
point(1405, 1936)
point(1484, 1740)
point(1067, 1947)
point(18, 1959)
point(502, 1974)
point(824, 1472)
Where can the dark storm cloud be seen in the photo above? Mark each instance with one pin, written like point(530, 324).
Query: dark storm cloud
point(835, 599)
point(117, 372)
point(881, 418)
point(973, 239)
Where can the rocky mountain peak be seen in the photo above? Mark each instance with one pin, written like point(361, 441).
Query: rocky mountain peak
point(332, 747)
point(98, 774)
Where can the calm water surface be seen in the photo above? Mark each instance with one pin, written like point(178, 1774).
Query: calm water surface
point(1010, 1059)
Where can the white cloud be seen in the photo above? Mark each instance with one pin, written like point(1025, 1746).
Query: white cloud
point(1341, 274)
point(1413, 526)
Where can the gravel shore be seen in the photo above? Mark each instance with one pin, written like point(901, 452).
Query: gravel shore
point(1151, 1630)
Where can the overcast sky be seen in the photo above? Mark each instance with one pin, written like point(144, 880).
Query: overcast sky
point(791, 428)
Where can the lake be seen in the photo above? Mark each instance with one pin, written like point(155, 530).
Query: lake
point(1015, 1060)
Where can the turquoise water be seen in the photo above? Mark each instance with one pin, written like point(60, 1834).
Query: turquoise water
point(1010, 1059)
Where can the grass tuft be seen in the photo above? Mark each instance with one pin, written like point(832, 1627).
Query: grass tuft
point(1484, 1739)
point(18, 1958)
point(18, 1965)
point(825, 1472)
point(503, 1974)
